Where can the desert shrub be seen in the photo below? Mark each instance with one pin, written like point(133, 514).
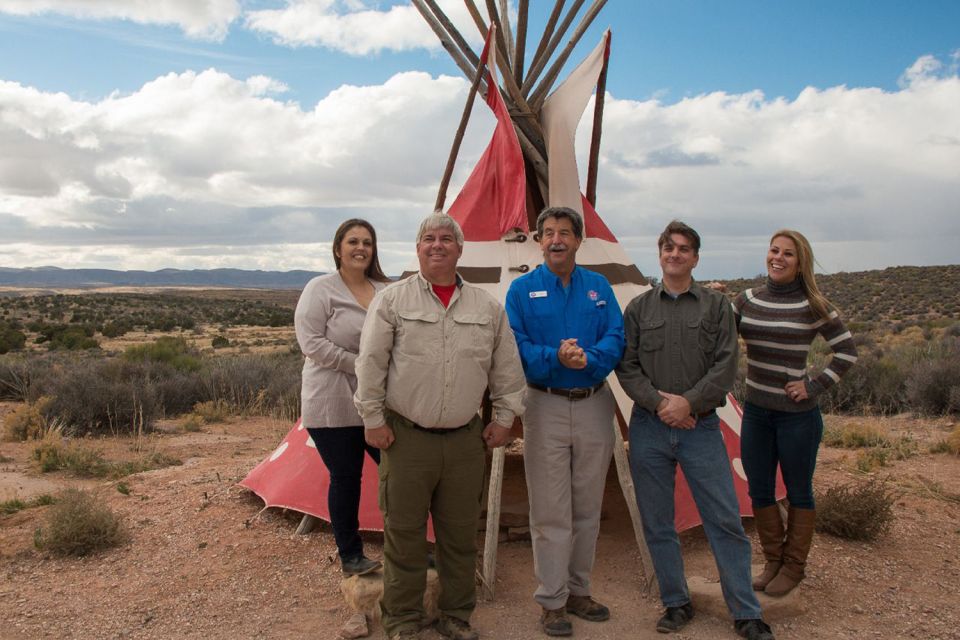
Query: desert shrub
point(873, 385)
point(79, 524)
point(67, 338)
point(871, 459)
point(26, 422)
point(861, 511)
point(933, 386)
point(256, 385)
point(147, 462)
point(117, 328)
point(22, 379)
point(11, 339)
point(219, 342)
point(212, 411)
point(103, 396)
point(174, 351)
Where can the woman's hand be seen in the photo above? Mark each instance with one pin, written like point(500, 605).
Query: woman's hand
point(379, 437)
point(797, 390)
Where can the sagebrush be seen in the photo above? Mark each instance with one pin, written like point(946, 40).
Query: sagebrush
point(79, 524)
point(856, 511)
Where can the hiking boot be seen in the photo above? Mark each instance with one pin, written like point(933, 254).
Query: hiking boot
point(675, 618)
point(770, 529)
point(360, 566)
point(454, 628)
point(587, 608)
point(796, 548)
point(405, 634)
point(555, 622)
point(754, 629)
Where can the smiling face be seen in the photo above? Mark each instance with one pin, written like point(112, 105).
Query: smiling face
point(783, 262)
point(559, 244)
point(356, 249)
point(678, 257)
point(438, 252)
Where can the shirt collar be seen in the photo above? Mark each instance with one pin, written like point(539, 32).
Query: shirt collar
point(549, 277)
point(694, 290)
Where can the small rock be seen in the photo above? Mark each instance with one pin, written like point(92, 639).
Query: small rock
point(355, 627)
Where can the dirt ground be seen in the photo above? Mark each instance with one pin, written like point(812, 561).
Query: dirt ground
point(204, 561)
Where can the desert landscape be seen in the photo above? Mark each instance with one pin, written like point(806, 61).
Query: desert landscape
point(196, 556)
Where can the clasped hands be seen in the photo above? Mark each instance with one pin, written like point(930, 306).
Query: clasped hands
point(571, 355)
point(675, 411)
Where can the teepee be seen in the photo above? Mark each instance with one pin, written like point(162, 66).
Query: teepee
point(530, 163)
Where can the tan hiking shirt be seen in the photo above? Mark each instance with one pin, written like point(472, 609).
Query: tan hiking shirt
point(431, 364)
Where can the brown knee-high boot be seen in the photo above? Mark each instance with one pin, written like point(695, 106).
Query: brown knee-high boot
point(795, 550)
point(770, 529)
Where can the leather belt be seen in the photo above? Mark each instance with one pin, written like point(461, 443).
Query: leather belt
point(577, 393)
point(438, 430)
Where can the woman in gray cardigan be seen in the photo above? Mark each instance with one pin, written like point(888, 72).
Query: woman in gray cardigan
point(328, 319)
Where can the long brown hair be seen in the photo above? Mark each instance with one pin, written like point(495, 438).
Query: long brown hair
point(373, 270)
point(805, 261)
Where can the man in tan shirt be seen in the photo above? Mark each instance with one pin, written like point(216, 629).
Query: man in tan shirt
point(430, 346)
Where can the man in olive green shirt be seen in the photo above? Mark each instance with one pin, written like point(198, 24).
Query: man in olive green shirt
point(679, 364)
point(430, 346)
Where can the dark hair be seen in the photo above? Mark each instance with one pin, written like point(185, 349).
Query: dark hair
point(683, 229)
point(561, 213)
point(373, 270)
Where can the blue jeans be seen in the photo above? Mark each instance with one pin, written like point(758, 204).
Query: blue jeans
point(655, 450)
point(342, 449)
point(769, 437)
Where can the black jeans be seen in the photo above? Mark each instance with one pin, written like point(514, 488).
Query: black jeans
point(342, 449)
point(790, 439)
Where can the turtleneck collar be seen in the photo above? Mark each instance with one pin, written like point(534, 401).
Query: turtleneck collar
point(784, 289)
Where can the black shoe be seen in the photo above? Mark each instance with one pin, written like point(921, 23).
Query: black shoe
point(554, 622)
point(360, 566)
point(675, 618)
point(753, 629)
point(587, 608)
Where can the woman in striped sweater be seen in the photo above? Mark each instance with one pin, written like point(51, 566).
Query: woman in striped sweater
point(781, 418)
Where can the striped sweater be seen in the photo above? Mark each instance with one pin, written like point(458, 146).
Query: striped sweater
point(778, 326)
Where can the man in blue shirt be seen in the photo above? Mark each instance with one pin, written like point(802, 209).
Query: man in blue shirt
point(569, 331)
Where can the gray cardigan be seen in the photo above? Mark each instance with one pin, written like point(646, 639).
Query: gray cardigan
point(328, 320)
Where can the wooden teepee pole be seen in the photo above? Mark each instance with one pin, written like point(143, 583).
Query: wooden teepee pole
point(521, 43)
point(507, 31)
point(446, 40)
point(539, 62)
point(458, 138)
point(592, 164)
point(540, 93)
point(547, 34)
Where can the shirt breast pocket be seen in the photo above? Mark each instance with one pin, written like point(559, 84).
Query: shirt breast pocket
point(652, 335)
point(474, 333)
point(419, 335)
point(708, 335)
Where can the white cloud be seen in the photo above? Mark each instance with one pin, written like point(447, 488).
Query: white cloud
point(203, 169)
point(204, 19)
point(355, 27)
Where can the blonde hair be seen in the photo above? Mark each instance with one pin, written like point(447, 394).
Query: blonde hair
point(805, 261)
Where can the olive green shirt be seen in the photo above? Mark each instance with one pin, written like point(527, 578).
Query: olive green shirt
point(432, 364)
point(686, 346)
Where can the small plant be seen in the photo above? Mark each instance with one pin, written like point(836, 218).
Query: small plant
point(219, 342)
point(79, 524)
point(8, 507)
point(123, 488)
point(26, 422)
point(950, 444)
point(212, 411)
point(861, 511)
point(79, 460)
point(192, 423)
point(854, 436)
point(870, 459)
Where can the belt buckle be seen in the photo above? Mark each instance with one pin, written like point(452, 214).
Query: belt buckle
point(580, 393)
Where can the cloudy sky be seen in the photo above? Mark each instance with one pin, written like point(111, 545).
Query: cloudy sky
point(144, 134)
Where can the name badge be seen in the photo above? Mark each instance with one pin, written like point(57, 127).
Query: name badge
point(538, 294)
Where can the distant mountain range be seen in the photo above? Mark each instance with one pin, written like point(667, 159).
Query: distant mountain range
point(56, 277)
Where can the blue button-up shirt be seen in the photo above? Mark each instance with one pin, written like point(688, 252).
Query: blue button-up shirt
point(543, 312)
